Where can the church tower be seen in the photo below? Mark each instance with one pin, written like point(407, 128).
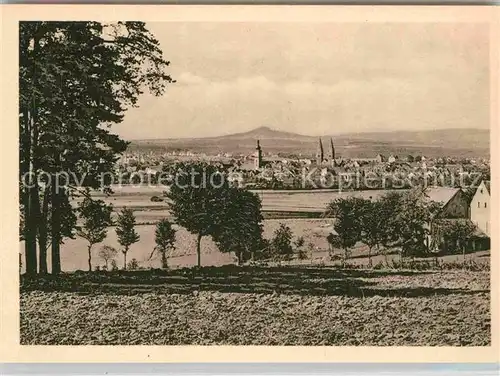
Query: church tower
point(331, 157)
point(258, 157)
point(320, 157)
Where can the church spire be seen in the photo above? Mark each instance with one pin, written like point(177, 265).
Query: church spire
point(258, 156)
point(320, 154)
point(332, 152)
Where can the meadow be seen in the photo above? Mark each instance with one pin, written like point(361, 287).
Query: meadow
point(282, 204)
point(314, 231)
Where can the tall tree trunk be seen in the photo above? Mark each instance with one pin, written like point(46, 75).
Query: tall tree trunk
point(89, 248)
point(370, 257)
point(30, 236)
point(238, 254)
point(31, 161)
point(164, 263)
point(29, 222)
point(56, 224)
point(43, 231)
point(198, 249)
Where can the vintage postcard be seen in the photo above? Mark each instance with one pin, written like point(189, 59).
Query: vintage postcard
point(316, 182)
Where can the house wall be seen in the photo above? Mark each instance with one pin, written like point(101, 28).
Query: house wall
point(480, 209)
point(457, 207)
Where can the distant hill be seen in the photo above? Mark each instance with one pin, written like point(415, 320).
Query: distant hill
point(452, 142)
point(265, 133)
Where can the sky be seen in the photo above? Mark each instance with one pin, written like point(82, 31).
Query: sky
point(316, 78)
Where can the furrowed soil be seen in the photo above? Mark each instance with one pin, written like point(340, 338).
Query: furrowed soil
point(258, 306)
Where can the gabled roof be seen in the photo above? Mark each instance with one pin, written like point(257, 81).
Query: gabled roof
point(487, 185)
point(441, 195)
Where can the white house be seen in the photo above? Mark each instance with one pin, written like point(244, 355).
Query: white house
point(480, 207)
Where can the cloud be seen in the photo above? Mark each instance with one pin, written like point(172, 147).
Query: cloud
point(316, 78)
point(202, 107)
point(187, 78)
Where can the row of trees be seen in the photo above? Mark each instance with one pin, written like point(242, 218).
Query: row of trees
point(75, 80)
point(280, 247)
point(96, 217)
point(205, 203)
point(397, 220)
point(164, 239)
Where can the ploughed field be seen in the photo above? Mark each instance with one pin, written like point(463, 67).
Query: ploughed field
point(233, 305)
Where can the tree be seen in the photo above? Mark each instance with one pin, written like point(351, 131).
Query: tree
point(44, 235)
point(164, 239)
point(457, 233)
point(388, 208)
point(126, 232)
point(107, 253)
point(415, 213)
point(133, 264)
point(348, 214)
point(299, 246)
point(75, 79)
point(281, 243)
point(96, 217)
point(240, 229)
point(371, 230)
point(196, 198)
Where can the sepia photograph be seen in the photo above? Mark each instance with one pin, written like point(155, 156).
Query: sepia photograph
point(278, 183)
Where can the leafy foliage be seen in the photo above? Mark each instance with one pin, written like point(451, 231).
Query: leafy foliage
point(348, 226)
point(96, 217)
point(240, 229)
point(454, 234)
point(133, 264)
point(125, 230)
point(281, 244)
point(107, 253)
point(75, 79)
point(197, 198)
point(165, 240)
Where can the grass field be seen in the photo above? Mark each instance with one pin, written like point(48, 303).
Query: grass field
point(275, 203)
point(74, 252)
point(258, 306)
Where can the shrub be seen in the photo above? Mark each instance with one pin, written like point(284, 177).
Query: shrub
point(133, 264)
point(282, 241)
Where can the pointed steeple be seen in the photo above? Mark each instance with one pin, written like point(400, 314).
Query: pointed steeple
point(320, 157)
point(258, 156)
point(332, 153)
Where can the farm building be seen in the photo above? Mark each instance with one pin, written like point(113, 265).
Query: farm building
point(480, 215)
point(453, 206)
point(480, 207)
point(454, 209)
point(453, 202)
